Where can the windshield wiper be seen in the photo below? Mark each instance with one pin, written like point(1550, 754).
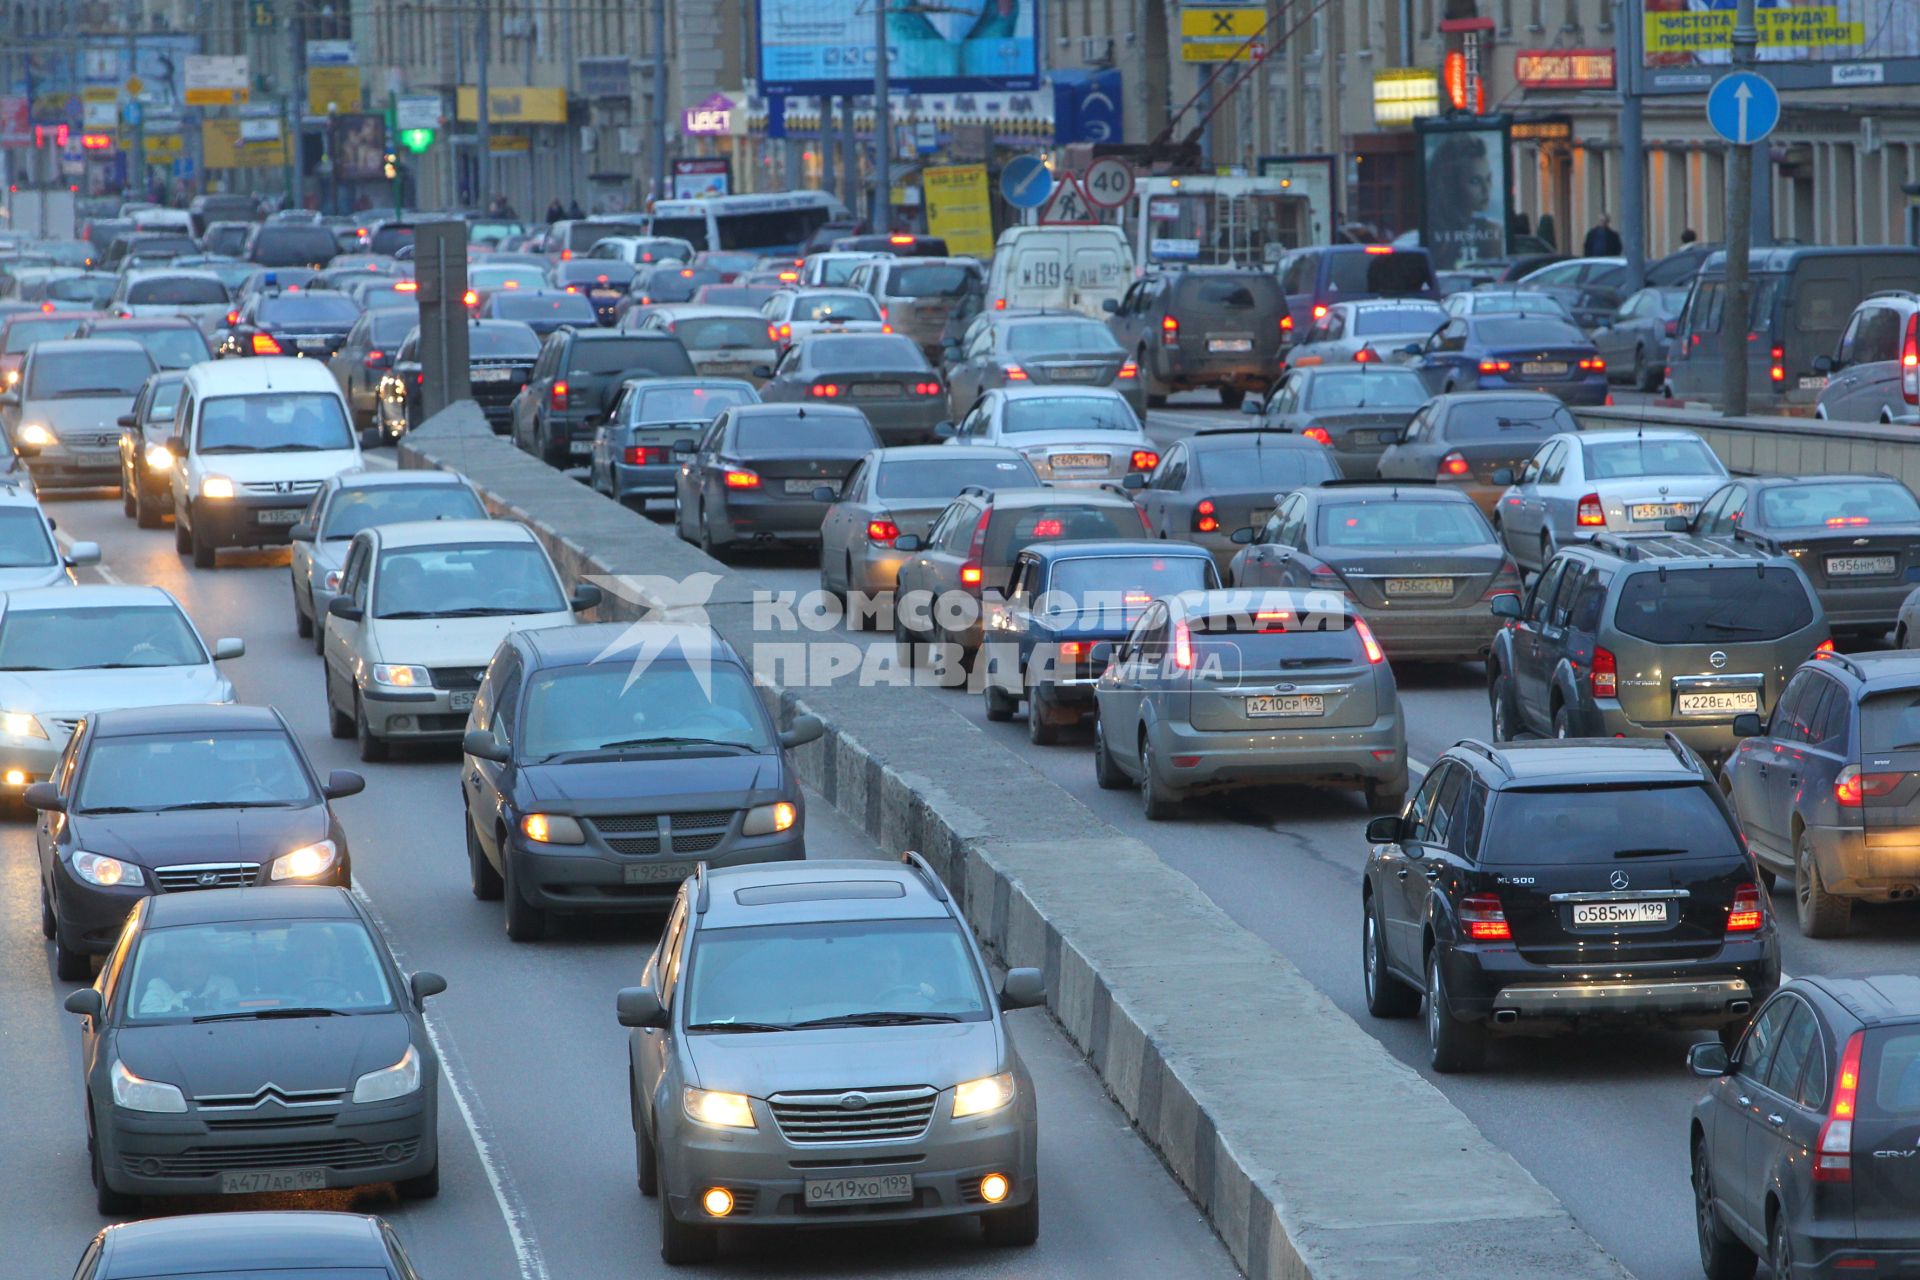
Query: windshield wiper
point(739, 1026)
point(312, 1012)
point(877, 1018)
point(672, 742)
point(1730, 626)
point(1645, 853)
point(222, 804)
point(227, 448)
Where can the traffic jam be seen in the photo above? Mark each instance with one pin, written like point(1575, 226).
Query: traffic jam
point(1212, 536)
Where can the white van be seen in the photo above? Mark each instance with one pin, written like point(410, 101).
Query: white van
point(172, 221)
point(1075, 268)
point(255, 439)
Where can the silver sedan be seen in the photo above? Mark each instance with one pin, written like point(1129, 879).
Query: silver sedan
point(1072, 436)
point(1577, 485)
point(1366, 332)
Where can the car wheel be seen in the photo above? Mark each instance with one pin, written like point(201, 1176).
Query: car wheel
point(703, 536)
point(203, 550)
point(182, 540)
point(682, 1243)
point(1546, 550)
point(147, 512)
point(129, 492)
point(373, 748)
point(552, 450)
point(302, 624)
point(1014, 1228)
point(339, 723)
point(854, 621)
point(1000, 704)
point(48, 925)
point(646, 1161)
point(1452, 1045)
point(1155, 802)
point(904, 641)
point(70, 965)
point(1387, 996)
point(424, 1187)
point(1821, 914)
point(1106, 770)
point(525, 922)
point(485, 881)
point(110, 1203)
point(1563, 722)
point(1506, 716)
point(1722, 1256)
point(1041, 730)
point(1780, 1252)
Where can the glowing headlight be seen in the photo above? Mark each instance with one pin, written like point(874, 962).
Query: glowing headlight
point(106, 872)
point(765, 819)
point(396, 1081)
point(216, 487)
point(977, 1097)
point(13, 376)
point(37, 434)
point(400, 677)
point(721, 1110)
point(159, 458)
point(552, 828)
point(20, 724)
point(135, 1094)
point(305, 863)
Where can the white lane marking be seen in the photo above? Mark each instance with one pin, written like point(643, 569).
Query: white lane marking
point(526, 1247)
point(1415, 766)
point(66, 548)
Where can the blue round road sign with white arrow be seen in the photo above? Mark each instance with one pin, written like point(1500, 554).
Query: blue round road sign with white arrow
point(1743, 107)
point(1026, 182)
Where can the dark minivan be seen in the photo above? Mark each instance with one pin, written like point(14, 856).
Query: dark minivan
point(1314, 279)
point(291, 244)
point(1802, 298)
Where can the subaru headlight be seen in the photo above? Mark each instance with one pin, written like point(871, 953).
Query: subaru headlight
point(136, 1094)
point(159, 458)
point(978, 1097)
point(552, 828)
point(305, 862)
point(37, 434)
point(766, 819)
point(396, 1081)
point(396, 676)
point(719, 1110)
point(216, 487)
point(108, 873)
point(21, 724)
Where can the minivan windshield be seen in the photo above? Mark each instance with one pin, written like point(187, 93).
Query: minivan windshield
point(622, 705)
point(1731, 605)
point(284, 423)
point(840, 973)
point(1623, 824)
point(86, 370)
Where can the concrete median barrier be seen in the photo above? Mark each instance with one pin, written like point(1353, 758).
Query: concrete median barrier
point(1311, 1149)
point(1782, 446)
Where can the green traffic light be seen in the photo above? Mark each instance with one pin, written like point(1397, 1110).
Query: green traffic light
point(416, 140)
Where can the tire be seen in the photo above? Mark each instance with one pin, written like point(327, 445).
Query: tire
point(1041, 732)
point(703, 537)
point(1780, 1250)
point(1722, 1255)
point(1546, 550)
point(551, 452)
point(147, 512)
point(424, 1187)
point(339, 723)
point(302, 624)
point(1013, 1228)
point(1821, 914)
point(525, 922)
point(1000, 704)
point(1230, 397)
point(904, 639)
point(853, 620)
point(128, 490)
point(182, 540)
point(1452, 1045)
point(1563, 722)
point(1381, 801)
point(484, 880)
point(373, 748)
point(1387, 996)
point(1155, 803)
point(646, 1162)
point(1106, 771)
point(49, 927)
point(1506, 715)
point(203, 551)
point(70, 965)
point(110, 1203)
point(682, 1243)
point(319, 631)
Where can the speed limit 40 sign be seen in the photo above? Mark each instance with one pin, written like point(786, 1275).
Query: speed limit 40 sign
point(1109, 182)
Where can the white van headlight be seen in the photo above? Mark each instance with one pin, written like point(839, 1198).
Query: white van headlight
point(216, 487)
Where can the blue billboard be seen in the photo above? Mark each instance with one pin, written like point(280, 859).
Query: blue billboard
point(827, 46)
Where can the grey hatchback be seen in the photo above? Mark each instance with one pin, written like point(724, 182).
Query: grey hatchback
point(821, 1043)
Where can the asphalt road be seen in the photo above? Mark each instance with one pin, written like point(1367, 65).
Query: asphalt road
point(537, 1154)
point(1600, 1121)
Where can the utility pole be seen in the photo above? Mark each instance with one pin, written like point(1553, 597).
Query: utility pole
point(296, 106)
point(1734, 329)
point(849, 158)
point(826, 144)
point(482, 92)
point(137, 160)
point(882, 126)
point(1633, 146)
point(660, 99)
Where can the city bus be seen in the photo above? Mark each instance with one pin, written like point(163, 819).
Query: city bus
point(777, 222)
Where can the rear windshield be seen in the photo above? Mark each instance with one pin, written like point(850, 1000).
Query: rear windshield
point(1839, 505)
point(862, 355)
point(1623, 826)
point(1065, 336)
point(686, 404)
point(1522, 423)
point(1385, 388)
point(835, 306)
point(1734, 605)
point(482, 276)
point(1622, 459)
point(1377, 320)
point(1103, 583)
point(1011, 531)
point(22, 334)
point(715, 333)
point(652, 354)
point(596, 271)
point(1534, 303)
point(1526, 331)
point(1890, 1059)
point(502, 342)
point(1890, 721)
point(559, 307)
point(293, 246)
point(1067, 413)
point(1253, 467)
point(387, 239)
point(173, 348)
point(180, 291)
point(92, 290)
point(582, 236)
point(1248, 292)
point(1395, 525)
point(942, 478)
point(782, 434)
point(940, 279)
point(1391, 275)
point(310, 308)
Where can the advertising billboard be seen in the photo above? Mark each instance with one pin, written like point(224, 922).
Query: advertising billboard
point(1466, 188)
point(1685, 44)
point(827, 46)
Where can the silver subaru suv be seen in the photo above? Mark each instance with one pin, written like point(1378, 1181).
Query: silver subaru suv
point(820, 1043)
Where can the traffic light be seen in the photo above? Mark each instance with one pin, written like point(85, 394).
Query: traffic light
point(392, 166)
point(416, 140)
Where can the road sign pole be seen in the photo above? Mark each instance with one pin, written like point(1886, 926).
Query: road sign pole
point(882, 126)
point(1633, 151)
point(1733, 330)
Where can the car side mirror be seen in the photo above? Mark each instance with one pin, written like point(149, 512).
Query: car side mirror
point(805, 729)
point(908, 542)
point(1243, 536)
point(1023, 988)
point(1133, 480)
point(1677, 524)
point(177, 446)
point(684, 448)
point(45, 797)
point(482, 745)
point(1503, 475)
point(1709, 1059)
point(1412, 349)
point(1385, 830)
point(1506, 605)
point(371, 438)
point(127, 420)
point(82, 554)
point(345, 609)
point(763, 371)
point(825, 493)
point(86, 1002)
point(585, 596)
point(342, 783)
point(945, 430)
point(1252, 407)
point(425, 986)
point(302, 532)
point(229, 647)
point(1822, 364)
point(1110, 305)
point(639, 1007)
point(1748, 725)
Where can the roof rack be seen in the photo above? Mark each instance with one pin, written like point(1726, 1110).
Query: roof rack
point(1892, 293)
point(1840, 659)
point(1486, 749)
point(1654, 544)
point(913, 859)
point(702, 896)
point(1680, 753)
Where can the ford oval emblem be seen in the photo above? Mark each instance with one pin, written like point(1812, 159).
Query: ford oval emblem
point(1717, 658)
point(1618, 880)
point(1284, 687)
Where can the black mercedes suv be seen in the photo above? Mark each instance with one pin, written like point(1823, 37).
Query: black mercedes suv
point(1541, 887)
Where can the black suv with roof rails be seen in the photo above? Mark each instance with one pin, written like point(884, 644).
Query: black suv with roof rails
point(1639, 635)
point(1549, 886)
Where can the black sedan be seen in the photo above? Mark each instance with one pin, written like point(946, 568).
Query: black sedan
point(542, 310)
point(883, 375)
point(762, 474)
point(291, 323)
point(500, 358)
point(603, 281)
point(1512, 353)
point(256, 1040)
point(230, 1246)
point(619, 758)
point(177, 799)
point(1215, 482)
point(1355, 412)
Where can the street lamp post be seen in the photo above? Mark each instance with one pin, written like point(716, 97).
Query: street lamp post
point(1734, 330)
point(882, 126)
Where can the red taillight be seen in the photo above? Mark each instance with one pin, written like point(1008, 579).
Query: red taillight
point(1594, 364)
point(1484, 921)
point(1182, 646)
point(1778, 364)
point(971, 574)
point(233, 317)
point(1747, 912)
point(999, 304)
point(573, 288)
point(1842, 522)
point(825, 390)
point(883, 313)
point(376, 359)
point(471, 298)
point(1375, 655)
point(1454, 465)
point(1379, 248)
point(773, 332)
point(926, 388)
point(1169, 332)
point(1129, 370)
point(1852, 787)
point(1833, 1152)
point(1286, 324)
point(1824, 648)
point(1495, 366)
point(1590, 514)
point(1673, 327)
point(1014, 372)
point(1319, 312)
point(1048, 528)
point(899, 239)
point(1143, 460)
point(1910, 361)
point(1365, 355)
point(557, 397)
point(1072, 649)
point(1319, 435)
point(264, 345)
point(639, 455)
point(882, 532)
point(1604, 678)
point(1204, 518)
point(743, 480)
point(566, 255)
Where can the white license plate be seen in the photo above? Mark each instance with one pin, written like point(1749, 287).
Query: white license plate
point(257, 1180)
point(313, 344)
point(1286, 704)
point(877, 1189)
point(808, 486)
point(1419, 586)
point(873, 390)
point(290, 515)
point(1718, 704)
point(1075, 375)
point(493, 375)
point(580, 448)
point(1620, 913)
point(1078, 460)
point(726, 368)
point(656, 872)
point(1858, 566)
point(461, 700)
point(1229, 345)
point(1658, 510)
point(1542, 368)
point(1817, 382)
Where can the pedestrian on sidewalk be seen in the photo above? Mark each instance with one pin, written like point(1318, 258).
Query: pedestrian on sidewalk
point(555, 210)
point(1603, 241)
